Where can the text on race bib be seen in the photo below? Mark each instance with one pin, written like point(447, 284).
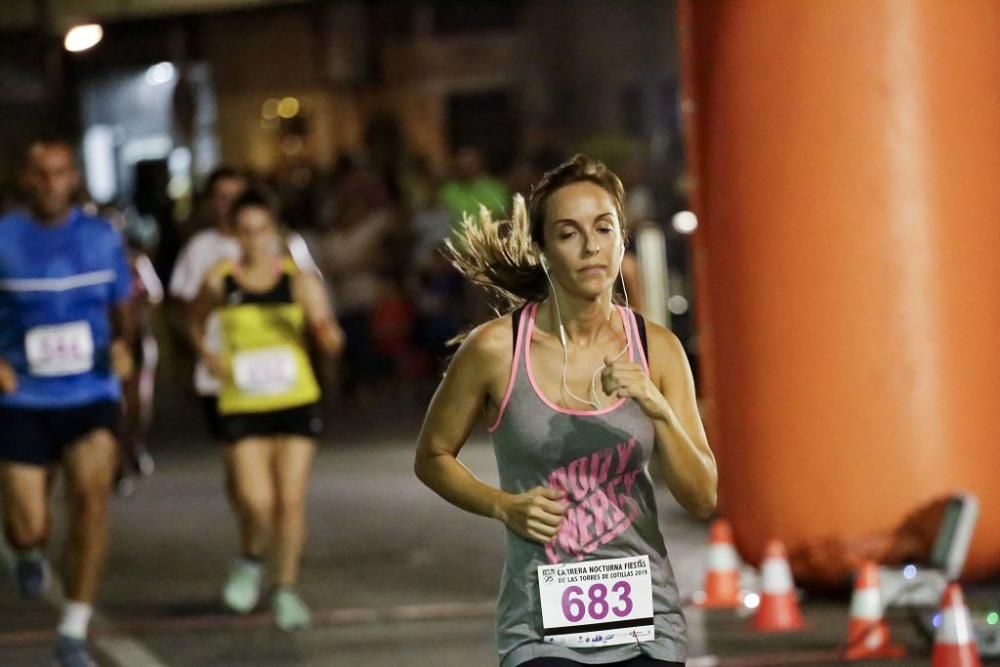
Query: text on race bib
point(60, 349)
point(597, 603)
point(265, 371)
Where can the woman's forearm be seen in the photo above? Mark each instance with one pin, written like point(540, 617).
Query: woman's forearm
point(449, 478)
point(689, 469)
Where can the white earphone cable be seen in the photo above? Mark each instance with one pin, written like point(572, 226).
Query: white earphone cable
point(595, 402)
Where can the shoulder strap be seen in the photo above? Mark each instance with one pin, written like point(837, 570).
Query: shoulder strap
point(640, 324)
point(515, 320)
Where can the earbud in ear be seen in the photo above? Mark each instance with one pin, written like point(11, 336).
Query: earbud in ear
point(544, 262)
point(621, 252)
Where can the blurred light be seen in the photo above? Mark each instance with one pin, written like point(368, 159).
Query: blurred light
point(677, 304)
point(288, 107)
point(179, 186)
point(154, 147)
point(291, 145)
point(179, 161)
point(160, 73)
point(685, 222)
point(269, 109)
point(909, 571)
point(751, 601)
point(83, 37)
point(179, 166)
point(698, 597)
point(99, 162)
point(992, 618)
point(937, 620)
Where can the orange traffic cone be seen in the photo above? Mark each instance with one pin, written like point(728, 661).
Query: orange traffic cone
point(954, 645)
point(868, 633)
point(778, 610)
point(722, 583)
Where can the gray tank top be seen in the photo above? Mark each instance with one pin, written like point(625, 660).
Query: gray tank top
point(600, 458)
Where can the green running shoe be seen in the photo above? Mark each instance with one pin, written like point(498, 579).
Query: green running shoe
point(290, 612)
point(242, 589)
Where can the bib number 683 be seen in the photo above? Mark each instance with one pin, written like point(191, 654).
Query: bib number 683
point(595, 603)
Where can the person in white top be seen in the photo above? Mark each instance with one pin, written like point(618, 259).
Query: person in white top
point(202, 252)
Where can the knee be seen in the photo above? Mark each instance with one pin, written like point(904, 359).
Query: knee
point(290, 506)
point(257, 503)
point(90, 498)
point(26, 531)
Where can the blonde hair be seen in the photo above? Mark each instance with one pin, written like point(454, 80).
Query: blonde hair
point(500, 255)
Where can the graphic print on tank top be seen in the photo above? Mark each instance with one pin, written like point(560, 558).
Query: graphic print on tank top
point(600, 505)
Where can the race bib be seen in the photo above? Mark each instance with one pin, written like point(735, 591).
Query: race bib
point(597, 603)
point(60, 349)
point(266, 371)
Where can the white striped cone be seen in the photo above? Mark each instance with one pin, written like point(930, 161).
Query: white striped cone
point(954, 644)
point(778, 610)
point(868, 633)
point(722, 582)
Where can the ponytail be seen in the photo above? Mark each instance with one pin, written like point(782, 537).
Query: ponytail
point(499, 256)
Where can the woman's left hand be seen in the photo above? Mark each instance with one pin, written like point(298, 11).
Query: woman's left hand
point(625, 379)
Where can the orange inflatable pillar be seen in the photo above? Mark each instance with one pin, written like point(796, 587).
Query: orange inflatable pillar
point(845, 162)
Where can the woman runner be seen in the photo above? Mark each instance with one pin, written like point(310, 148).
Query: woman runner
point(576, 405)
point(268, 405)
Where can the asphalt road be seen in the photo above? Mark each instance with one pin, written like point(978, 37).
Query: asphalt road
point(394, 575)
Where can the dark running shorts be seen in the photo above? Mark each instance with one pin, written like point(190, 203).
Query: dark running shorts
point(303, 420)
point(210, 411)
point(38, 436)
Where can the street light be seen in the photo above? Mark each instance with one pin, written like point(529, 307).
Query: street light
point(83, 37)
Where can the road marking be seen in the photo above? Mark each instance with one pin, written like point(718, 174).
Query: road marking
point(112, 633)
point(122, 649)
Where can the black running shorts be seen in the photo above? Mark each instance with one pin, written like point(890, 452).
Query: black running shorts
point(303, 420)
point(38, 436)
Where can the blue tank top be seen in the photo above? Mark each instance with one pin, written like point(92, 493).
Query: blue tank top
point(600, 458)
point(57, 286)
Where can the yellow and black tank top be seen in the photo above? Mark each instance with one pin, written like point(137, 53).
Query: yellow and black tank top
point(264, 343)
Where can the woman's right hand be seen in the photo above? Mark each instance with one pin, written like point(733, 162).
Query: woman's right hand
point(535, 514)
point(8, 378)
point(216, 365)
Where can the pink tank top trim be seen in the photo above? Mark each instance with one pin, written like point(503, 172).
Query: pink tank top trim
point(513, 373)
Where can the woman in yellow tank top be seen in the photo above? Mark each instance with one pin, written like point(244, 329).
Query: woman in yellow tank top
point(268, 406)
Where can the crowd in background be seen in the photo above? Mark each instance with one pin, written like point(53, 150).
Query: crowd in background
point(375, 228)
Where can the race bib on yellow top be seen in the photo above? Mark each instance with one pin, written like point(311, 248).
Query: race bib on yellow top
point(265, 372)
point(597, 603)
point(60, 349)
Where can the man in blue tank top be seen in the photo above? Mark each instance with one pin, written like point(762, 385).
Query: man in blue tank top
point(64, 281)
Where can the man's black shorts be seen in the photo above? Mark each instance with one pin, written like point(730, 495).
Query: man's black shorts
point(38, 436)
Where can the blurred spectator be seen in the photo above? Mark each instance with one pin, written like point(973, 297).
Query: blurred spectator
point(470, 187)
point(639, 211)
point(137, 391)
point(351, 255)
point(206, 249)
point(438, 295)
point(430, 220)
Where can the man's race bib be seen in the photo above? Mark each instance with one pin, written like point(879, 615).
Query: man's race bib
point(60, 349)
point(598, 602)
point(265, 372)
